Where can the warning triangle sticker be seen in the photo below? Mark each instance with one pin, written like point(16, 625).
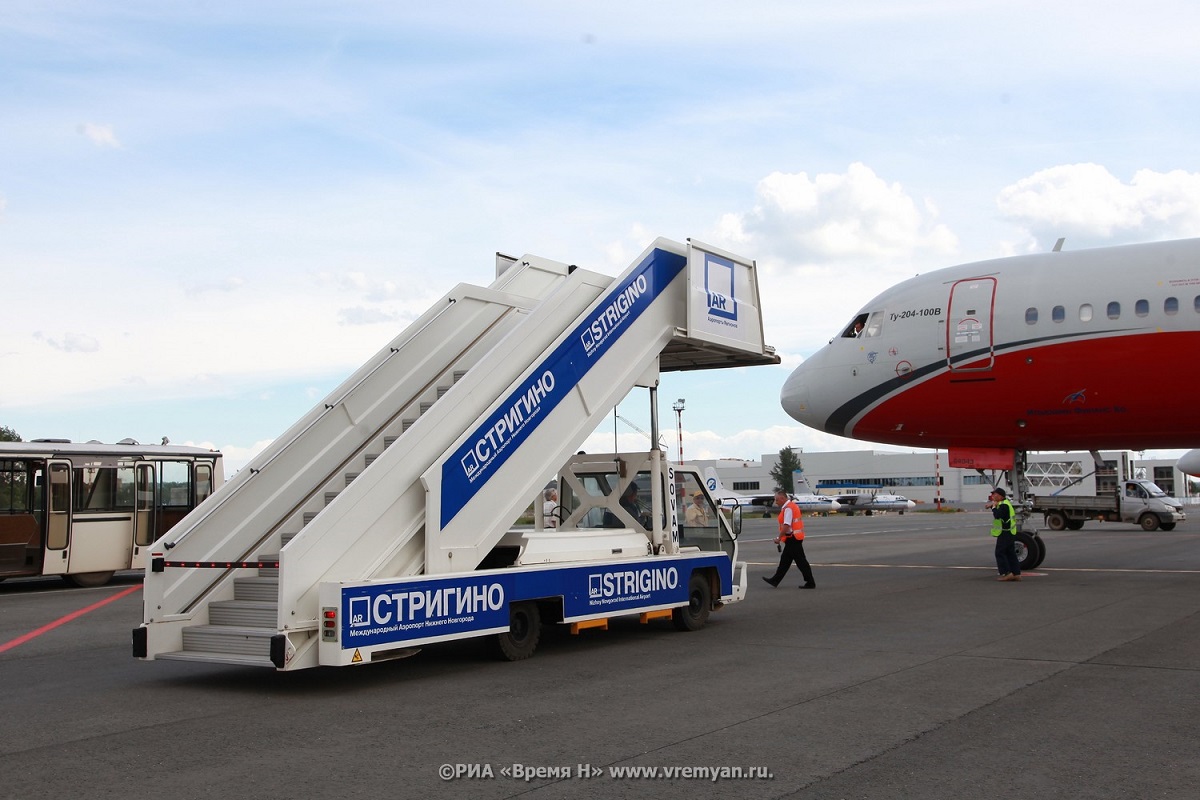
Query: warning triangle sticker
point(357, 657)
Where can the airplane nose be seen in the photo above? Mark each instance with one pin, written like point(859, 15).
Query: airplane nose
point(794, 397)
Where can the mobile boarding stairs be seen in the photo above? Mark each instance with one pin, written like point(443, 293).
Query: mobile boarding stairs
point(419, 463)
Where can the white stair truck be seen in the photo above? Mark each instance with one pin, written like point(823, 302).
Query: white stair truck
point(383, 519)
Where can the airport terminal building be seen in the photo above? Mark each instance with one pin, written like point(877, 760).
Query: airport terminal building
point(924, 476)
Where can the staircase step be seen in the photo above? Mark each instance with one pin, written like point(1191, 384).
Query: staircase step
point(255, 642)
point(256, 588)
point(216, 658)
point(243, 613)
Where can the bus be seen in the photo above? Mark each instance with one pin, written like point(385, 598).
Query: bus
point(84, 511)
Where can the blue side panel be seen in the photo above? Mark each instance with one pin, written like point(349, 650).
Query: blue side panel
point(426, 609)
point(500, 435)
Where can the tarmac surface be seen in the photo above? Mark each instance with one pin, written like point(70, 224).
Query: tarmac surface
point(909, 672)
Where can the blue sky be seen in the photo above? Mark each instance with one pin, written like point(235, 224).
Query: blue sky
point(212, 212)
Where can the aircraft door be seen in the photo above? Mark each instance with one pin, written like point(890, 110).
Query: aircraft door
point(969, 342)
point(58, 518)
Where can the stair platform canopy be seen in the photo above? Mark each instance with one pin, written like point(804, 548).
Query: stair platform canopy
point(422, 460)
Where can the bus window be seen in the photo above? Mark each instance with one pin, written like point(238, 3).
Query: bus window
point(204, 479)
point(60, 507)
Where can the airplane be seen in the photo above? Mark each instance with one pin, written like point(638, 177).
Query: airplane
point(809, 503)
point(1065, 350)
point(873, 503)
point(1189, 463)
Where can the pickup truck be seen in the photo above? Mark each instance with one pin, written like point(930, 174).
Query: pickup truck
point(1137, 501)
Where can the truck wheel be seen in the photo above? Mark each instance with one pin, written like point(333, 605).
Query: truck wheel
point(1167, 526)
point(1149, 522)
point(1027, 550)
point(524, 631)
point(1074, 524)
point(1056, 521)
point(693, 616)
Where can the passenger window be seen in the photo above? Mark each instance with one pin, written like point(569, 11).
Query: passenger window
point(1085, 312)
point(1031, 316)
point(1058, 314)
point(1196, 304)
point(1142, 308)
point(1171, 306)
point(1114, 310)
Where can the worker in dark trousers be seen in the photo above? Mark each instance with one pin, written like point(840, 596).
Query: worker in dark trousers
point(1004, 528)
point(791, 539)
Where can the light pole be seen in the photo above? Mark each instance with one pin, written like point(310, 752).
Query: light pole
point(679, 425)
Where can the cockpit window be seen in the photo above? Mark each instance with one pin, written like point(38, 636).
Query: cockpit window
point(855, 328)
point(874, 324)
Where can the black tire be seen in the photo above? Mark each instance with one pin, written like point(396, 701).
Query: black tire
point(1041, 551)
point(88, 579)
point(1149, 522)
point(1167, 526)
point(693, 616)
point(524, 632)
point(1027, 550)
point(1074, 524)
point(1056, 521)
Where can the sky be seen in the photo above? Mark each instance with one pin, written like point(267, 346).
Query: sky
point(212, 212)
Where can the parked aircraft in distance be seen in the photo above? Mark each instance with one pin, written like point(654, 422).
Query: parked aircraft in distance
point(872, 503)
point(1086, 350)
point(1189, 463)
point(809, 503)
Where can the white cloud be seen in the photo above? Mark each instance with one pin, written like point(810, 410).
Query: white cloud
point(853, 216)
point(70, 342)
point(1087, 202)
point(100, 135)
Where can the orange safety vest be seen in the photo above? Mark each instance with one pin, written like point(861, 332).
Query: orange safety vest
point(797, 521)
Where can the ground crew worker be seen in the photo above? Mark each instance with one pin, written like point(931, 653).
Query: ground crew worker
point(1004, 528)
point(791, 539)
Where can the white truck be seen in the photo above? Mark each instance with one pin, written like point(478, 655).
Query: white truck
point(1131, 499)
point(383, 519)
point(1137, 501)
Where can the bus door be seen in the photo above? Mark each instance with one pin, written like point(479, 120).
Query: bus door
point(58, 518)
point(145, 514)
point(969, 327)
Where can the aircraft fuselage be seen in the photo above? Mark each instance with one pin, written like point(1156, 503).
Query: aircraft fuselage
point(1093, 349)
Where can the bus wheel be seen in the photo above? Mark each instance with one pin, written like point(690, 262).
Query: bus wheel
point(87, 579)
point(693, 616)
point(524, 631)
point(1027, 550)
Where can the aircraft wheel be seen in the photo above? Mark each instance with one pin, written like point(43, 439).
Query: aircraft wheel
point(1041, 551)
point(88, 579)
point(1056, 521)
point(1149, 522)
point(693, 616)
point(525, 629)
point(1027, 550)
